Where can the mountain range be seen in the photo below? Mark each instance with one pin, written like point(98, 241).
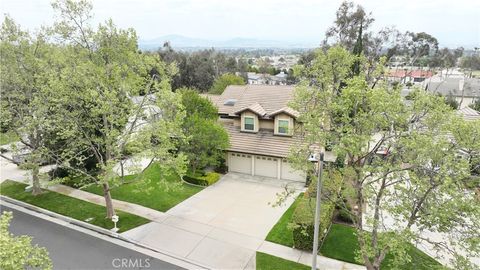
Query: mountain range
point(178, 41)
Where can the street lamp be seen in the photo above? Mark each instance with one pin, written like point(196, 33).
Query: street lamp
point(313, 158)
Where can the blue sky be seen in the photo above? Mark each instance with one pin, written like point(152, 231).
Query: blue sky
point(454, 23)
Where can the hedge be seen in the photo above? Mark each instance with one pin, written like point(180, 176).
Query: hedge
point(303, 222)
point(202, 180)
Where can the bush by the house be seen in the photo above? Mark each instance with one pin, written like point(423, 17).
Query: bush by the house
point(206, 179)
point(303, 222)
point(345, 216)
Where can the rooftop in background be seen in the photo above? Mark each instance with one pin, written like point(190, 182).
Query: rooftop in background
point(469, 114)
point(457, 87)
point(400, 73)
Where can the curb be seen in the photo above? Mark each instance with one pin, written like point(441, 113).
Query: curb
point(96, 229)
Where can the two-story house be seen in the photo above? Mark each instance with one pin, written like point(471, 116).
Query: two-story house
point(261, 127)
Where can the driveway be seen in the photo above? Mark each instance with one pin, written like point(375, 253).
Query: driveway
point(221, 226)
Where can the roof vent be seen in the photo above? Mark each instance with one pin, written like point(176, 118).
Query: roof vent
point(230, 102)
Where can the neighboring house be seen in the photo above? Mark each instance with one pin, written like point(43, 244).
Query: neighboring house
point(465, 91)
point(255, 78)
point(410, 76)
point(261, 127)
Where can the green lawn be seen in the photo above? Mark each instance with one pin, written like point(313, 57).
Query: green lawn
point(71, 207)
point(269, 262)
point(8, 137)
point(341, 243)
point(150, 193)
point(280, 233)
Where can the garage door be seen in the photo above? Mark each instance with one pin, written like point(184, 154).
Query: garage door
point(241, 163)
point(290, 174)
point(266, 166)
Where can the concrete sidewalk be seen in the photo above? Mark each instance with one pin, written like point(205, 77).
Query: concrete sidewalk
point(303, 257)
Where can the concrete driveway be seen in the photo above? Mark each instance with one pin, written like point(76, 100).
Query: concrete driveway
point(221, 226)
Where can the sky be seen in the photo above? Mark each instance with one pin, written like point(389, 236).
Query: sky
point(453, 23)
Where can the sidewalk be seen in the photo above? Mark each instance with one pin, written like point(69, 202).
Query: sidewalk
point(303, 257)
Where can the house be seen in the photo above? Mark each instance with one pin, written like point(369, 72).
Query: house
point(465, 90)
point(256, 78)
point(261, 127)
point(410, 76)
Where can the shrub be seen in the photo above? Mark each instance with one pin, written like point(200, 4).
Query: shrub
point(202, 179)
point(345, 216)
point(303, 222)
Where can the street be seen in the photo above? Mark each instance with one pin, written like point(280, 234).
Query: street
point(72, 249)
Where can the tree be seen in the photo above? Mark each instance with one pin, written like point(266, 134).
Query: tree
point(470, 63)
point(400, 161)
point(476, 105)
point(346, 27)
point(206, 138)
point(225, 80)
point(417, 45)
point(103, 68)
point(26, 63)
point(18, 252)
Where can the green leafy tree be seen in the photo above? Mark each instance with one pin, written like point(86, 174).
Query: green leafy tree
point(103, 68)
point(400, 161)
point(18, 252)
point(225, 80)
point(206, 138)
point(26, 63)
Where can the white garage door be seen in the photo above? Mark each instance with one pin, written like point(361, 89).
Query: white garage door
point(290, 174)
point(266, 166)
point(241, 163)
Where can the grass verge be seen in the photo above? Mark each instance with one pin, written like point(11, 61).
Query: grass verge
point(269, 262)
point(8, 137)
point(280, 233)
point(70, 207)
point(149, 192)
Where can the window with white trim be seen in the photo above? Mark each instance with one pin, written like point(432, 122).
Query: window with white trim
point(283, 126)
point(249, 123)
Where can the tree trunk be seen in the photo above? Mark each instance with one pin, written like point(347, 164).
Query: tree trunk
point(108, 201)
point(36, 181)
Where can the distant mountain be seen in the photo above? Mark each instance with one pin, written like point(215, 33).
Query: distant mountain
point(178, 41)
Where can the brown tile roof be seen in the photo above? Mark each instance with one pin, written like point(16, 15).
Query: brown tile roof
point(262, 143)
point(255, 108)
point(269, 97)
point(286, 110)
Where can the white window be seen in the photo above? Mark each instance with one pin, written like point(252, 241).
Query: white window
point(249, 123)
point(283, 126)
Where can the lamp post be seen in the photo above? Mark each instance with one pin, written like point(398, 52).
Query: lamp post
point(313, 159)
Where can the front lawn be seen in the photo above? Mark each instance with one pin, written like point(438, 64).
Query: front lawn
point(341, 243)
point(8, 137)
point(150, 193)
point(280, 233)
point(71, 207)
point(269, 262)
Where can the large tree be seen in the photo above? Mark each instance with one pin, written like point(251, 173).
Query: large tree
point(27, 61)
point(206, 138)
point(400, 162)
point(103, 68)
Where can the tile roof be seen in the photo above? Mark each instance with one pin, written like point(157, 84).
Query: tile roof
point(452, 86)
point(256, 108)
point(411, 73)
point(286, 110)
point(262, 143)
point(469, 114)
point(270, 98)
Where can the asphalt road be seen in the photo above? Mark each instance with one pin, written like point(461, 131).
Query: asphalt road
point(71, 249)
